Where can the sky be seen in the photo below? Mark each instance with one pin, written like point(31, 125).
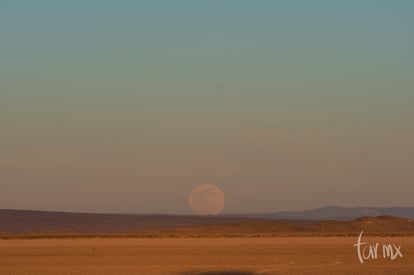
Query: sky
point(126, 106)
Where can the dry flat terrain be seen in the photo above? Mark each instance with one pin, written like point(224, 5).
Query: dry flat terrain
point(190, 256)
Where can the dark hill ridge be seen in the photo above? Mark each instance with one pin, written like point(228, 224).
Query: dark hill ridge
point(338, 213)
point(370, 225)
point(22, 222)
point(27, 221)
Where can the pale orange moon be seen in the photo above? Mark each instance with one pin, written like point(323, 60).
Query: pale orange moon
point(206, 199)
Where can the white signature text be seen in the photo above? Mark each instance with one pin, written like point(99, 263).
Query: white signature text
point(367, 251)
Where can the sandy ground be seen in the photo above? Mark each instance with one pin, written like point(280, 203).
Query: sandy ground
point(235, 256)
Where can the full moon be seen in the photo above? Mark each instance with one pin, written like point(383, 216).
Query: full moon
point(206, 199)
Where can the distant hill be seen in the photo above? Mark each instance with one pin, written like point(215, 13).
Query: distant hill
point(319, 221)
point(338, 213)
point(382, 225)
point(26, 221)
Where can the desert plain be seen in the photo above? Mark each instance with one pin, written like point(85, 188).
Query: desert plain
point(202, 256)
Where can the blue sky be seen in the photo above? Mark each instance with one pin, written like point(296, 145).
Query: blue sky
point(263, 98)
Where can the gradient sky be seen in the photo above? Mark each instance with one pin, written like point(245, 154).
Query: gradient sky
point(126, 106)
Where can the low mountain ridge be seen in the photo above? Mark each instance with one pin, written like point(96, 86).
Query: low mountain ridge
point(20, 222)
point(381, 225)
point(339, 213)
point(29, 221)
